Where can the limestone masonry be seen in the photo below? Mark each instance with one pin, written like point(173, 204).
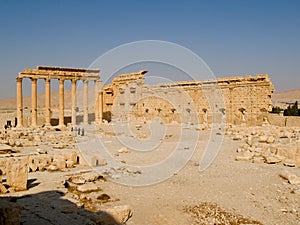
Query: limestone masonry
point(47, 73)
point(234, 100)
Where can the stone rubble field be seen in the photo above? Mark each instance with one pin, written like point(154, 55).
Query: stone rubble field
point(46, 179)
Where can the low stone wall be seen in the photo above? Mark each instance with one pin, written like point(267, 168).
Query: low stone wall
point(284, 121)
point(5, 116)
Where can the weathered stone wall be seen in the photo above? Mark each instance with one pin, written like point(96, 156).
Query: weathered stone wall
point(283, 121)
point(236, 100)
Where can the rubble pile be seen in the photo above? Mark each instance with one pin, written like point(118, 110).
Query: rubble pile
point(267, 144)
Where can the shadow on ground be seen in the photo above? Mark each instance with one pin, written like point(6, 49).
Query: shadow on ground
point(47, 208)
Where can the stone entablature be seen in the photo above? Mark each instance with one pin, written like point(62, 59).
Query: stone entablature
point(44, 72)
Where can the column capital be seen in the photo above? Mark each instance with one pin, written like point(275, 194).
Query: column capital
point(19, 79)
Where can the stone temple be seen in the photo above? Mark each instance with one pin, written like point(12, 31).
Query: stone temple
point(235, 100)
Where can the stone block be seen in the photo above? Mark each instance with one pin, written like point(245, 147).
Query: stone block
point(88, 187)
point(98, 161)
point(5, 149)
point(69, 163)
point(59, 161)
point(17, 173)
point(292, 178)
point(263, 138)
point(3, 189)
point(111, 216)
point(70, 155)
point(121, 214)
point(272, 159)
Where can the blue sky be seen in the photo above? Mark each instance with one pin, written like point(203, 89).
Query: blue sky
point(232, 37)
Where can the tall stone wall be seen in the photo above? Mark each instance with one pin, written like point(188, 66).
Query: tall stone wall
point(236, 99)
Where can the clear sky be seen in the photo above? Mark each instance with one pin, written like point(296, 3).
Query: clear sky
point(233, 37)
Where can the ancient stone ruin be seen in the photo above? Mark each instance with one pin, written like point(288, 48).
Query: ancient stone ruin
point(62, 74)
point(67, 153)
point(239, 100)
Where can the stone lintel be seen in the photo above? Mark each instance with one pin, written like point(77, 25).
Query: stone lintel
point(67, 69)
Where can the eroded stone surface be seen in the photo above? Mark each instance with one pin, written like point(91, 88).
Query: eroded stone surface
point(17, 173)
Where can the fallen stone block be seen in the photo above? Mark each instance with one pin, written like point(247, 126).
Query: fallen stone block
point(29, 143)
point(237, 137)
point(59, 161)
point(263, 138)
point(17, 173)
point(3, 189)
point(123, 150)
point(289, 163)
point(18, 143)
point(270, 140)
point(91, 176)
point(52, 168)
point(69, 164)
point(272, 159)
point(70, 155)
point(112, 216)
point(77, 180)
point(5, 149)
point(58, 146)
point(121, 214)
point(41, 151)
point(290, 177)
point(88, 187)
point(243, 158)
point(258, 160)
point(249, 141)
point(11, 142)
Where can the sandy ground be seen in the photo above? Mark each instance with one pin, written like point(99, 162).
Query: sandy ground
point(252, 190)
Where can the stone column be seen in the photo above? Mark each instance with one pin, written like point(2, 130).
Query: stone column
point(47, 102)
point(85, 102)
point(73, 102)
point(19, 102)
point(33, 102)
point(61, 102)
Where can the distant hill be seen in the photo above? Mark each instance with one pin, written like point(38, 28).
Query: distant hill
point(283, 99)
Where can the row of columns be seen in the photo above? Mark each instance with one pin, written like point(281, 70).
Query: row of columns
point(98, 103)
